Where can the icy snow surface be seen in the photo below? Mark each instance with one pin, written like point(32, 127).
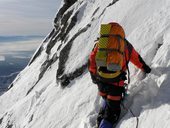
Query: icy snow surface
point(34, 103)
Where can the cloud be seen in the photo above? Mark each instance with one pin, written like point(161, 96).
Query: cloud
point(24, 26)
point(20, 46)
point(29, 8)
point(21, 57)
point(18, 49)
point(2, 58)
point(27, 17)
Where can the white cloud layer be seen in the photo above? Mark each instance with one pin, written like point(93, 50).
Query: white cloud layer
point(20, 46)
point(2, 58)
point(10, 48)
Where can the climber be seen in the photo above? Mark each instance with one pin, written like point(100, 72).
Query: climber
point(108, 63)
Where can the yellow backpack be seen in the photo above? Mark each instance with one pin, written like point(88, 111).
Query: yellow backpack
point(111, 47)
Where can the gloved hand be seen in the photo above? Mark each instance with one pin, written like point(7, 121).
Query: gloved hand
point(93, 77)
point(147, 69)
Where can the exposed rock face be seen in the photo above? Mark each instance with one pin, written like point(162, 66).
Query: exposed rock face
point(64, 21)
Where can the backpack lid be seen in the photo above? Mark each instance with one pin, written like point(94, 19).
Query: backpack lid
point(115, 29)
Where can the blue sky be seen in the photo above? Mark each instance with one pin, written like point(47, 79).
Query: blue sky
point(27, 17)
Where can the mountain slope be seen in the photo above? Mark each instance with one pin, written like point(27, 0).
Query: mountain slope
point(55, 90)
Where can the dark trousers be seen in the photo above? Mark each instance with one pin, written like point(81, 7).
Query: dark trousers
point(112, 95)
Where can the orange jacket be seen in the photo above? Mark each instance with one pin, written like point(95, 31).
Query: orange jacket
point(131, 55)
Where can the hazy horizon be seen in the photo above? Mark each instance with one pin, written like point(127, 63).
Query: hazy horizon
point(16, 53)
point(24, 24)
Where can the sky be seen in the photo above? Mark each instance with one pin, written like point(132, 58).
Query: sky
point(27, 17)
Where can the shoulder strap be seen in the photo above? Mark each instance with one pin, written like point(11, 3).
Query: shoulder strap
point(94, 45)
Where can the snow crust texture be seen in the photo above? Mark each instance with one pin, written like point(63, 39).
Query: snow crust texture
point(55, 90)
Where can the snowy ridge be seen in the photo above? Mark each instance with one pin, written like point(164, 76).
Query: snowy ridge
point(37, 97)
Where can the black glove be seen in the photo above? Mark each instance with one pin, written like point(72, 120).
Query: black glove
point(93, 77)
point(146, 68)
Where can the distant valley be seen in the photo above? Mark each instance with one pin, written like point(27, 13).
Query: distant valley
point(14, 57)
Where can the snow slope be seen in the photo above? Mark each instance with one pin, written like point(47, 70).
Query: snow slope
point(55, 90)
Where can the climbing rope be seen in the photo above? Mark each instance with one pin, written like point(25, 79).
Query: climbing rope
point(128, 109)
